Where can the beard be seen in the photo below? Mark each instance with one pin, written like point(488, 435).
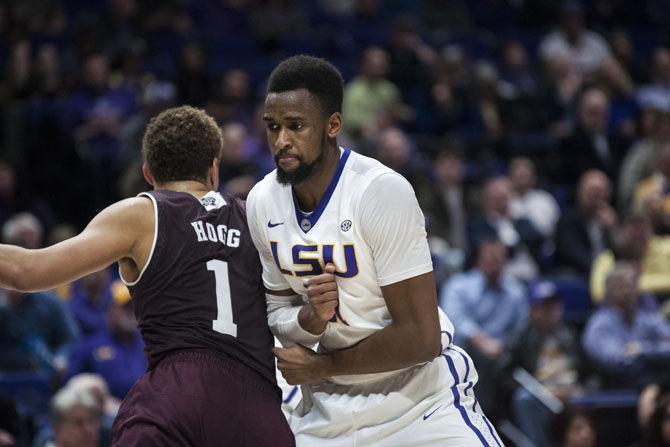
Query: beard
point(303, 172)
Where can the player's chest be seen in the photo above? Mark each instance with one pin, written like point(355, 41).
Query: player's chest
point(302, 247)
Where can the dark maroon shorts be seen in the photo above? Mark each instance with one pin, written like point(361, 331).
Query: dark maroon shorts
point(199, 399)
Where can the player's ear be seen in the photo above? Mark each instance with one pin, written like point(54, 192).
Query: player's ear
point(147, 175)
point(334, 124)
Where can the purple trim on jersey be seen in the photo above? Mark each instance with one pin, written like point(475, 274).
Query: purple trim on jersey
point(470, 385)
point(291, 395)
point(457, 401)
point(314, 216)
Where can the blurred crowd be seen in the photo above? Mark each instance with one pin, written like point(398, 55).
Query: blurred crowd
point(536, 134)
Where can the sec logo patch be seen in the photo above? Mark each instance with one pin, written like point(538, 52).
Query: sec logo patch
point(345, 225)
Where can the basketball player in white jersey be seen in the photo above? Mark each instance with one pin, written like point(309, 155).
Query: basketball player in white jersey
point(348, 272)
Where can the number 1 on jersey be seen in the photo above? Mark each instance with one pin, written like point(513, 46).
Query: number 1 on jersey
point(224, 323)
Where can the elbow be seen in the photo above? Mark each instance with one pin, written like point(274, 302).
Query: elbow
point(428, 344)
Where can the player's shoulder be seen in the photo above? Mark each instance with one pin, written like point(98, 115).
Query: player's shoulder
point(374, 175)
point(267, 186)
point(368, 170)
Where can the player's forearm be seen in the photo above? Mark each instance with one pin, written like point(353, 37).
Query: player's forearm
point(284, 320)
point(392, 348)
point(310, 321)
point(13, 267)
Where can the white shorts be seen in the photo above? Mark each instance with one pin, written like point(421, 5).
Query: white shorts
point(429, 405)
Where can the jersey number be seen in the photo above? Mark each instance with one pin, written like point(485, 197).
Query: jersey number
point(224, 323)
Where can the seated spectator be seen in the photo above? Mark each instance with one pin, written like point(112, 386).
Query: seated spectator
point(530, 202)
point(587, 48)
point(36, 329)
point(116, 354)
point(592, 145)
point(520, 236)
point(640, 160)
point(634, 242)
point(583, 232)
point(97, 387)
point(91, 297)
point(573, 427)
point(657, 185)
point(486, 306)
point(548, 350)
point(76, 419)
point(371, 93)
point(442, 199)
point(629, 345)
point(658, 91)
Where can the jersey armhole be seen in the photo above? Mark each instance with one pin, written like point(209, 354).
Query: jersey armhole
point(153, 244)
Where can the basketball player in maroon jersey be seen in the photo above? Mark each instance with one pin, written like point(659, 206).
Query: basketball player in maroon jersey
point(185, 252)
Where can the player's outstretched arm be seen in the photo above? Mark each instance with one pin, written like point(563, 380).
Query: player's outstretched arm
point(124, 229)
point(412, 338)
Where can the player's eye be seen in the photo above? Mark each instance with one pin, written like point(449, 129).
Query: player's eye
point(296, 126)
point(273, 127)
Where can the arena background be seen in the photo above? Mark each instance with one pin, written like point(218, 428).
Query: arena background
point(476, 102)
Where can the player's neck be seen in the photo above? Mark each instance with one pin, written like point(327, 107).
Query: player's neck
point(194, 187)
point(310, 192)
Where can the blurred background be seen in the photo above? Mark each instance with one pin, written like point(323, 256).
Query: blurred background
point(536, 134)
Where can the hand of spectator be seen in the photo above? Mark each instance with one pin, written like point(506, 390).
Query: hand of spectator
point(322, 294)
point(605, 215)
point(489, 346)
point(299, 365)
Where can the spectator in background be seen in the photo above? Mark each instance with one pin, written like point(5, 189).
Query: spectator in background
point(156, 96)
point(95, 385)
point(76, 419)
point(116, 353)
point(370, 94)
point(583, 232)
point(519, 235)
point(442, 200)
point(640, 160)
point(633, 241)
point(95, 115)
point(573, 427)
point(547, 349)
point(91, 297)
point(395, 149)
point(629, 344)
point(193, 81)
point(657, 93)
point(486, 307)
point(561, 84)
point(13, 199)
point(591, 145)
point(441, 107)
point(410, 57)
point(274, 22)
point(657, 185)
point(35, 328)
point(529, 202)
point(586, 48)
point(233, 100)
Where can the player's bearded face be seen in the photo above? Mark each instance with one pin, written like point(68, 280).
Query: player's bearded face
point(304, 171)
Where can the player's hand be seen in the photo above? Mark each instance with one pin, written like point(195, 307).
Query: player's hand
point(299, 365)
point(322, 294)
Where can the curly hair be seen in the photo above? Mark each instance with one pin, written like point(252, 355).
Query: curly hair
point(316, 75)
point(180, 144)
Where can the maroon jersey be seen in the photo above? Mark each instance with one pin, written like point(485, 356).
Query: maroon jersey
point(202, 285)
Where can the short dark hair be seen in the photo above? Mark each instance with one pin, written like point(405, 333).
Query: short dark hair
point(316, 75)
point(180, 144)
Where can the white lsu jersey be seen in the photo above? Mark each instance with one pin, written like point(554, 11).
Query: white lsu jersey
point(368, 224)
